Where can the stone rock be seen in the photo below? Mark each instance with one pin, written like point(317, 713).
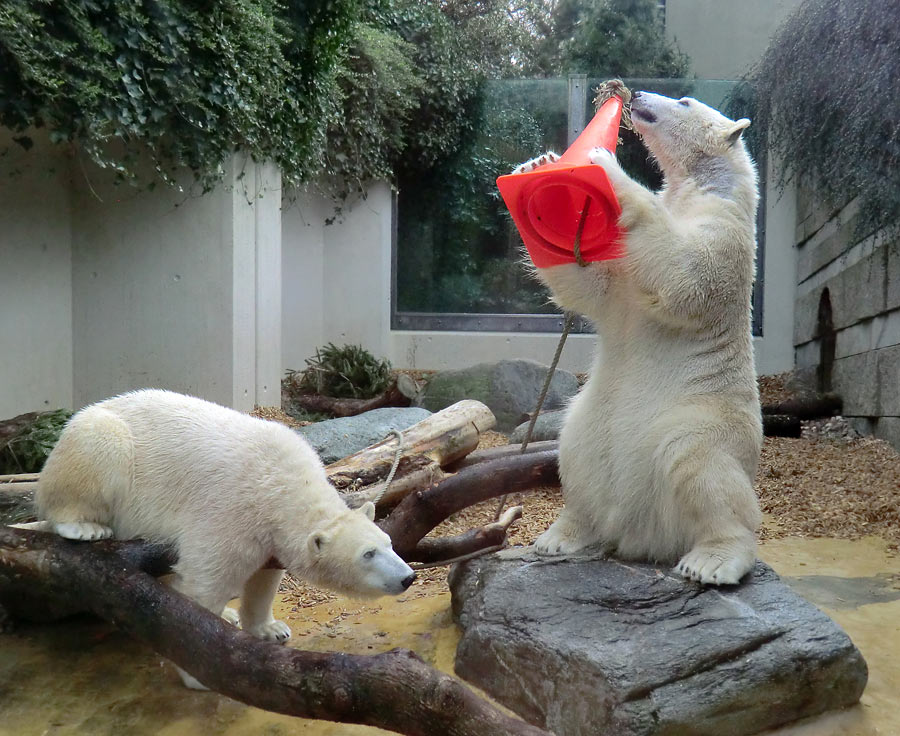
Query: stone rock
point(334, 439)
point(583, 645)
point(510, 388)
point(547, 427)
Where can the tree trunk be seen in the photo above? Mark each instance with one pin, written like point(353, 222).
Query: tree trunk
point(349, 407)
point(781, 425)
point(420, 512)
point(443, 437)
point(827, 405)
point(395, 690)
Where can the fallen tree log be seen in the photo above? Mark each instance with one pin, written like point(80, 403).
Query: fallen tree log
point(495, 453)
point(350, 407)
point(422, 511)
point(782, 425)
point(816, 407)
point(443, 437)
point(395, 690)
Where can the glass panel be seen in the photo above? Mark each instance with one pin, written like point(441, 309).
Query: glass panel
point(458, 252)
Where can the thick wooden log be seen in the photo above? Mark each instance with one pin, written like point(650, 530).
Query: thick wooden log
point(394, 691)
point(495, 453)
point(350, 407)
point(420, 512)
point(781, 425)
point(413, 474)
point(827, 405)
point(443, 437)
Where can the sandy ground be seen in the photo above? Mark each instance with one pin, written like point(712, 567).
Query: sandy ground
point(831, 530)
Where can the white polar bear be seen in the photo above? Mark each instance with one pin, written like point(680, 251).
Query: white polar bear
point(659, 451)
point(228, 490)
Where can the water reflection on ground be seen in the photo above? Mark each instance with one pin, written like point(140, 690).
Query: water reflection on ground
point(83, 677)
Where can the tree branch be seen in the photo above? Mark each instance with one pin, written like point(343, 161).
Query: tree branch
point(422, 511)
point(395, 690)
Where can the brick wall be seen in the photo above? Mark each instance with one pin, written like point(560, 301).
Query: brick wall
point(847, 313)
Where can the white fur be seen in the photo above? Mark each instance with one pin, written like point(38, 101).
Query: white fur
point(228, 490)
point(659, 451)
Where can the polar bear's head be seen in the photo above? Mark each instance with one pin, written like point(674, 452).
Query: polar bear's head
point(351, 555)
point(686, 137)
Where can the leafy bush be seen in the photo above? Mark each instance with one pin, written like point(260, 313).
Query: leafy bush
point(27, 450)
point(186, 82)
point(834, 120)
point(350, 371)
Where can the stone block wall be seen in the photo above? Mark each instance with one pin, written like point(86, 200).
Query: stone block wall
point(847, 313)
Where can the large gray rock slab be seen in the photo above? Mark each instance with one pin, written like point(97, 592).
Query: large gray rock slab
point(334, 439)
point(547, 427)
point(509, 387)
point(590, 646)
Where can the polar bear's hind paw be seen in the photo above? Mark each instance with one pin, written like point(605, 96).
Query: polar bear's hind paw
point(562, 538)
point(713, 567)
point(83, 531)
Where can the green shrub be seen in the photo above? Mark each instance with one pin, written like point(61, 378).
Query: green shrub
point(350, 371)
point(26, 451)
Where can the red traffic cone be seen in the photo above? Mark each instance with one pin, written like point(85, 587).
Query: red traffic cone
point(547, 203)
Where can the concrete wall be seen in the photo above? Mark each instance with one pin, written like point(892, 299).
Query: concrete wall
point(35, 277)
point(106, 288)
point(337, 277)
point(862, 278)
point(724, 37)
point(179, 291)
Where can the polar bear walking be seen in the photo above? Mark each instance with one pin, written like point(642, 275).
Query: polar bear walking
point(659, 451)
point(228, 490)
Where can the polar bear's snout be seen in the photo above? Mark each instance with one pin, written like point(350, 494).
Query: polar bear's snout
point(388, 571)
point(641, 108)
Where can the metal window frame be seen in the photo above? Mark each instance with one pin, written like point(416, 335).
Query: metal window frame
point(553, 323)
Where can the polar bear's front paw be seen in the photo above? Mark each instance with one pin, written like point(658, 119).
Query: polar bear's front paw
point(232, 616)
point(274, 630)
point(84, 531)
point(532, 164)
point(713, 566)
point(602, 157)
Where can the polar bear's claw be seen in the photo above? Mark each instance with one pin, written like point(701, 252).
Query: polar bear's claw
point(562, 538)
point(84, 531)
point(711, 567)
point(532, 164)
point(277, 631)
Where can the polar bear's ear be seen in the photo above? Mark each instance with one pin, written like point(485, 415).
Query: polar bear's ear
point(368, 508)
point(733, 131)
point(316, 542)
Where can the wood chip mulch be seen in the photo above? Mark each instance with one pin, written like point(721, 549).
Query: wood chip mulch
point(809, 487)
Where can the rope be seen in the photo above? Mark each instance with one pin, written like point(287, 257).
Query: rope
point(397, 455)
point(567, 328)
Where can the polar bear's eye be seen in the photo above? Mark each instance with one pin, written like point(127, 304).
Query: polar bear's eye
point(370, 554)
point(684, 102)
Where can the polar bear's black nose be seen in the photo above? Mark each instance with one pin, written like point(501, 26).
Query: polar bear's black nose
point(406, 582)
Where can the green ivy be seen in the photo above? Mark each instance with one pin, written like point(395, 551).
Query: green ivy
point(834, 120)
point(182, 81)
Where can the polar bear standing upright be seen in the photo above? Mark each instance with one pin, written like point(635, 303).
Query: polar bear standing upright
point(229, 491)
point(659, 451)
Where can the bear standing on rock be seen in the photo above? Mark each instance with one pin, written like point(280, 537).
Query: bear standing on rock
point(227, 490)
point(659, 451)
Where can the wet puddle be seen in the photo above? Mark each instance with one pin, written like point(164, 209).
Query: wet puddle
point(83, 677)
